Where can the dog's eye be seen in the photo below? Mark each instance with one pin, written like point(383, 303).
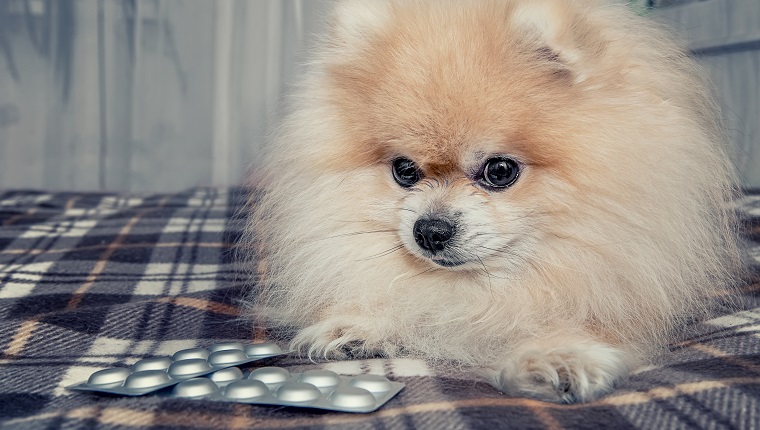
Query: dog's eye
point(405, 172)
point(500, 172)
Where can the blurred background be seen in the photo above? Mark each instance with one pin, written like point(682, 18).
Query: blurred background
point(162, 95)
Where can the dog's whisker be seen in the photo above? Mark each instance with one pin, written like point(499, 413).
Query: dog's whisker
point(384, 253)
point(408, 210)
point(431, 269)
point(488, 274)
point(357, 233)
point(396, 278)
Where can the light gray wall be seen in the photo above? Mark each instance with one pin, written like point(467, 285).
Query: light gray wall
point(725, 35)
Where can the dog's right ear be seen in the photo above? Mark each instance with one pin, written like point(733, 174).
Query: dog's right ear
point(547, 27)
point(354, 22)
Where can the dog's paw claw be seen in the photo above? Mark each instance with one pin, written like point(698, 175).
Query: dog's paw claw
point(569, 374)
point(339, 340)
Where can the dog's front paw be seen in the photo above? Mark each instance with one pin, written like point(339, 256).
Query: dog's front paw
point(340, 338)
point(574, 373)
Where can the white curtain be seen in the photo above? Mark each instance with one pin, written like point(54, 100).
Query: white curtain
point(144, 95)
point(258, 47)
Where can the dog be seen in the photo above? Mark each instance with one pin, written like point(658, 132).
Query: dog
point(539, 190)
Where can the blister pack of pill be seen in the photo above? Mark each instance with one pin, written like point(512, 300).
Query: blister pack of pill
point(212, 374)
point(152, 374)
point(319, 389)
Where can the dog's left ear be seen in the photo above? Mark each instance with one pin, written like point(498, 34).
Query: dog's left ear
point(546, 28)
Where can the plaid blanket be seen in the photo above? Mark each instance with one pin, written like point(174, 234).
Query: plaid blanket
point(90, 281)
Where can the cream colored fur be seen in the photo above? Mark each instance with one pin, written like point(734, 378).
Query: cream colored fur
point(618, 231)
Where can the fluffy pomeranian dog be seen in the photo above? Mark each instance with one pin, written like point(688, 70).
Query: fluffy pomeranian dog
point(538, 189)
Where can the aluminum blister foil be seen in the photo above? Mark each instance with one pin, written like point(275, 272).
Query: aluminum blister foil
point(319, 389)
point(152, 374)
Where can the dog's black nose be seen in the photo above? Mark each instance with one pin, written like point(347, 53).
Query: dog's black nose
point(433, 234)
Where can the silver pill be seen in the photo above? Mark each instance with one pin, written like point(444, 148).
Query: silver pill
point(262, 349)
point(196, 387)
point(372, 383)
point(186, 354)
point(109, 376)
point(186, 368)
point(227, 356)
point(146, 379)
point(320, 378)
point(270, 375)
point(225, 376)
point(225, 345)
point(352, 397)
point(156, 363)
point(245, 389)
point(298, 392)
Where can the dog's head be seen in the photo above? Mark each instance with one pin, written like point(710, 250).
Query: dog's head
point(463, 110)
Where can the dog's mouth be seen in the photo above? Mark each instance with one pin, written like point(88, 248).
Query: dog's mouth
point(447, 263)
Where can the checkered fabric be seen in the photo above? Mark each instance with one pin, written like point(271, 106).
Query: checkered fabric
point(90, 281)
